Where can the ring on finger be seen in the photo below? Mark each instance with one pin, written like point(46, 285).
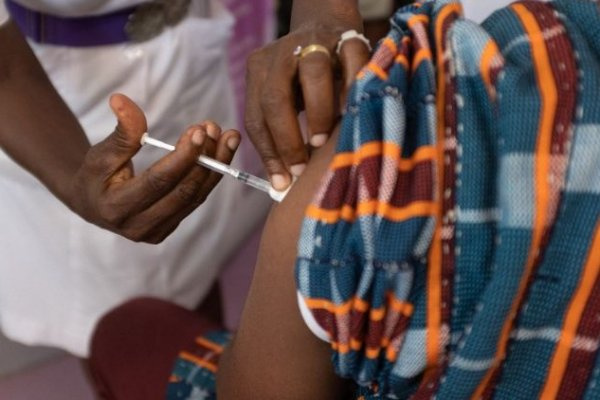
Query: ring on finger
point(349, 35)
point(302, 52)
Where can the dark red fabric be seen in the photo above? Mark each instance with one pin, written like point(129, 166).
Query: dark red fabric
point(135, 345)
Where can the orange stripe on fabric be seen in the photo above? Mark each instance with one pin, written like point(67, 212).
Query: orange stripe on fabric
point(174, 379)
point(198, 361)
point(394, 214)
point(377, 70)
point(401, 307)
point(401, 59)
point(388, 149)
point(209, 345)
point(547, 88)
point(370, 352)
point(489, 52)
point(422, 55)
point(571, 323)
point(434, 276)
point(391, 354)
point(355, 303)
point(389, 43)
point(343, 348)
point(416, 19)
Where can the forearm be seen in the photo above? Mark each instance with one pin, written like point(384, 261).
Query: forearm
point(37, 129)
point(325, 13)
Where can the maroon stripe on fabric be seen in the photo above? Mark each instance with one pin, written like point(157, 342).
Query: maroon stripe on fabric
point(410, 186)
point(384, 57)
point(564, 70)
point(431, 382)
point(414, 185)
point(374, 334)
point(369, 177)
point(336, 190)
point(400, 327)
point(326, 320)
point(358, 324)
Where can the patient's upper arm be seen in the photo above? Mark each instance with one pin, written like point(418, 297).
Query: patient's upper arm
point(274, 355)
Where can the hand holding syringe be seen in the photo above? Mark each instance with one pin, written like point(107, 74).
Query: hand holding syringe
point(222, 168)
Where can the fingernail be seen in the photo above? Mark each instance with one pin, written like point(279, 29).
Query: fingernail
point(198, 137)
point(318, 139)
point(279, 182)
point(297, 169)
point(212, 131)
point(233, 143)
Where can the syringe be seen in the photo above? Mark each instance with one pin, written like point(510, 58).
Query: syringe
point(222, 168)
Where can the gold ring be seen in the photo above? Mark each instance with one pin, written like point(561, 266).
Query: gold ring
point(302, 52)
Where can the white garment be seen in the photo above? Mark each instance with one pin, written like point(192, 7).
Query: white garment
point(59, 274)
point(3, 13)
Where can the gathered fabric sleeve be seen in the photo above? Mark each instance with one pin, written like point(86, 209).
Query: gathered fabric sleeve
point(366, 234)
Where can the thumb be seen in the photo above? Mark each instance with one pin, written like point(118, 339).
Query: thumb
point(124, 142)
point(115, 152)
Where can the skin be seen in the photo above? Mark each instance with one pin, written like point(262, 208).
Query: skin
point(276, 79)
point(273, 354)
point(279, 361)
point(40, 133)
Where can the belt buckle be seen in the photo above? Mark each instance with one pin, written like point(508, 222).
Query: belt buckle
point(149, 19)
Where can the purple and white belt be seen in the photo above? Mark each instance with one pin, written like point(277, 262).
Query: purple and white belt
point(133, 24)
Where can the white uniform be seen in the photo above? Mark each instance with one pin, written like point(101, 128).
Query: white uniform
point(58, 274)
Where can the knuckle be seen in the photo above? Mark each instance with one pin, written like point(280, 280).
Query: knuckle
point(253, 125)
point(95, 161)
point(255, 61)
point(188, 193)
point(135, 231)
point(316, 70)
point(156, 239)
point(272, 99)
point(292, 155)
point(109, 214)
point(158, 181)
point(120, 141)
point(135, 236)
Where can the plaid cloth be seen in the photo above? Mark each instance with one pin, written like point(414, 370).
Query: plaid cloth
point(194, 373)
point(453, 249)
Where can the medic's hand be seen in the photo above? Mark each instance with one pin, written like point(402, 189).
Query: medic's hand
point(148, 206)
point(276, 79)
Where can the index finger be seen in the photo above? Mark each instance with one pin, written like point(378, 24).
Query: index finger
point(140, 192)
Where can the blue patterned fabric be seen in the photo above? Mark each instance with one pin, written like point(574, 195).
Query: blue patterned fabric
point(453, 249)
point(194, 374)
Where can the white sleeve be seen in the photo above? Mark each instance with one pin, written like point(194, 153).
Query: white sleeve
point(376, 9)
point(3, 13)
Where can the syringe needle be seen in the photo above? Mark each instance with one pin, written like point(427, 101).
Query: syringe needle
point(222, 168)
